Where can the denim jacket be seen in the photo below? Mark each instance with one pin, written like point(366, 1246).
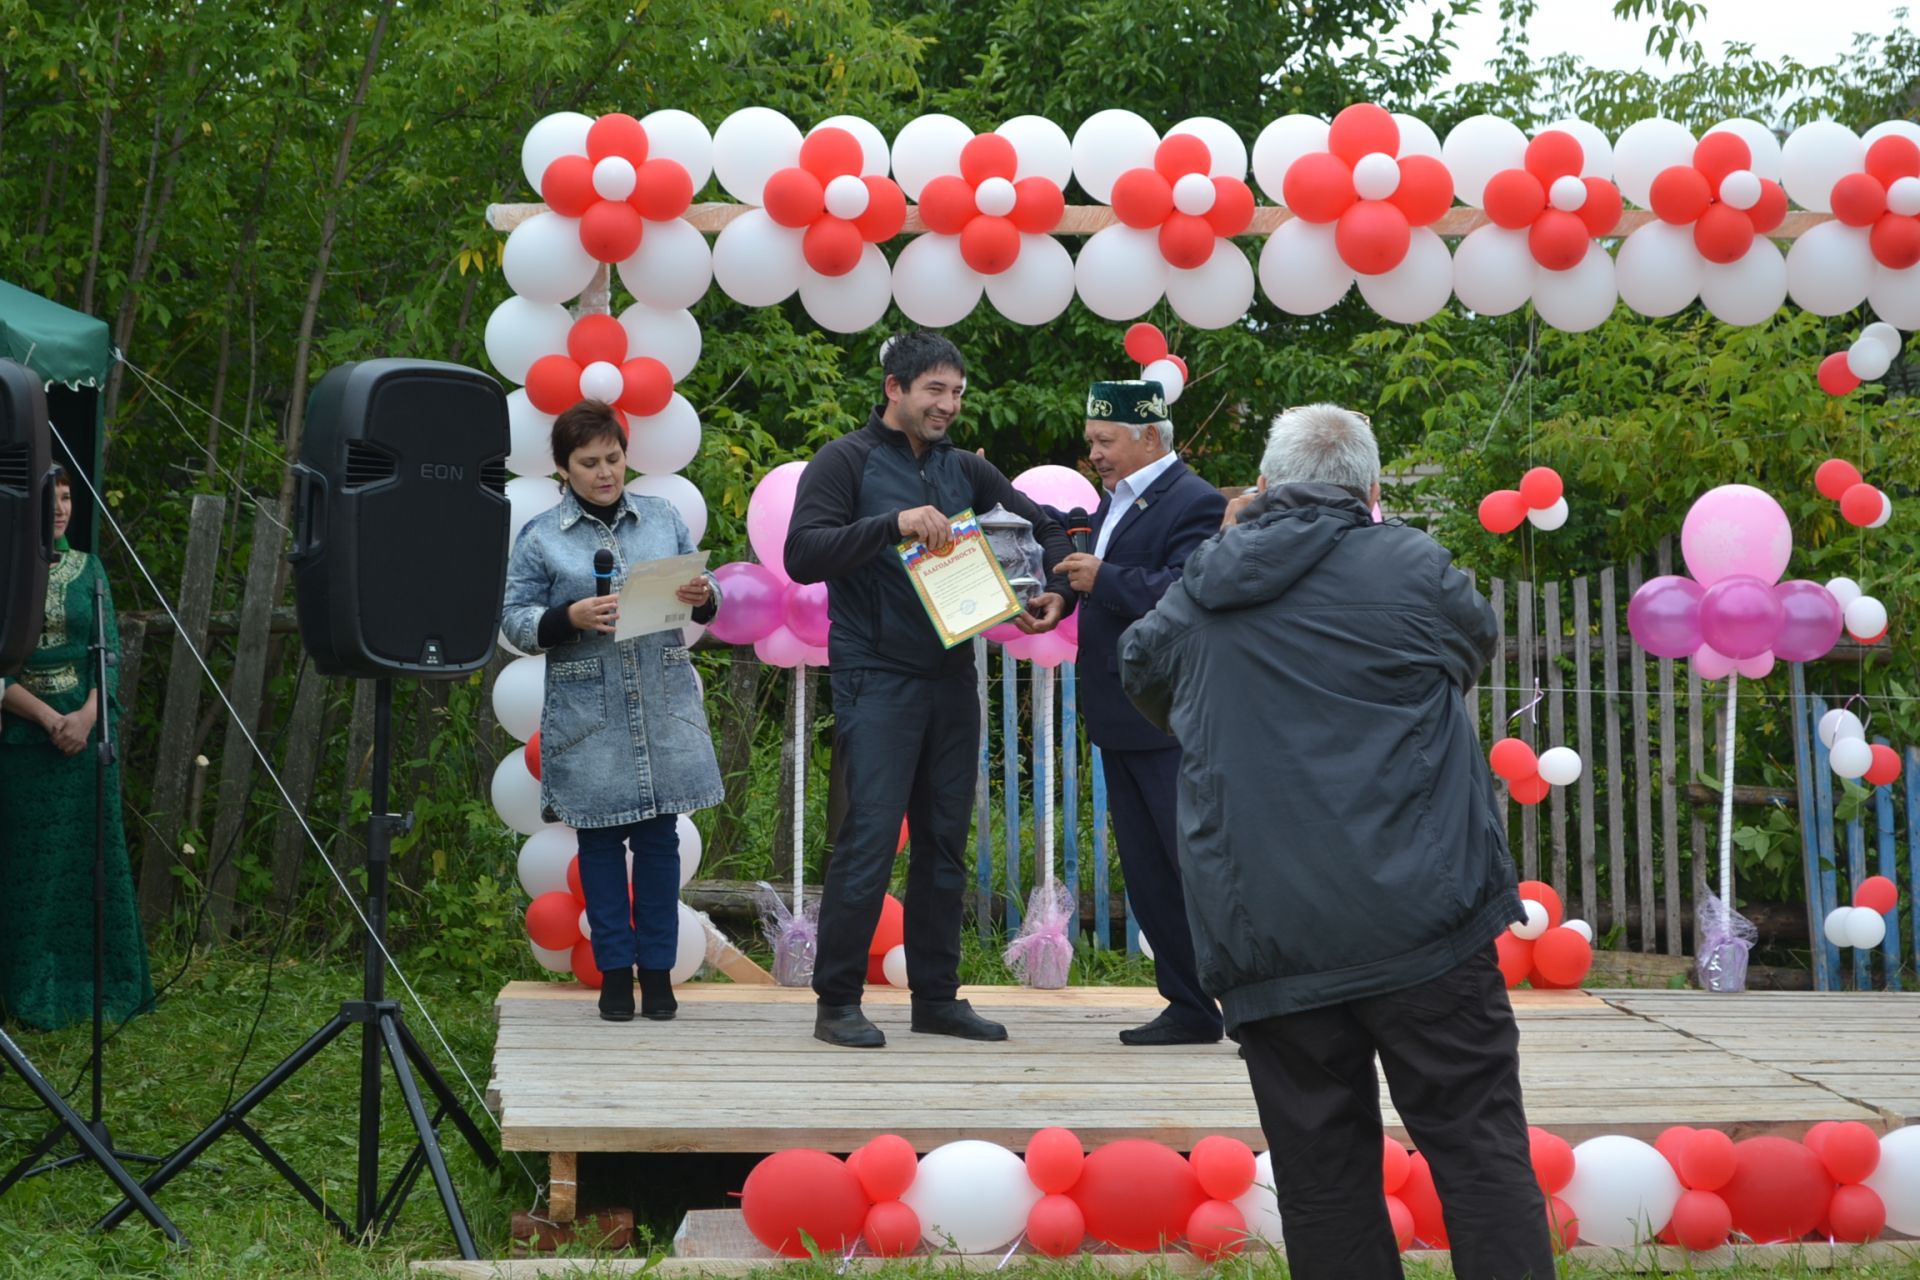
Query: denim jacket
point(623, 735)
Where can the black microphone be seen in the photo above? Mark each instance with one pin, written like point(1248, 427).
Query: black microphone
point(603, 572)
point(1080, 530)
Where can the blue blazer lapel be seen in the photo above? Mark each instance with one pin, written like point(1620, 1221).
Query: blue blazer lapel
point(1138, 508)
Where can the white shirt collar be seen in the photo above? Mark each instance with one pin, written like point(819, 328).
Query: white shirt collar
point(1142, 480)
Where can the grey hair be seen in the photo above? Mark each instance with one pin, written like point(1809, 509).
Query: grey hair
point(1322, 444)
point(1163, 429)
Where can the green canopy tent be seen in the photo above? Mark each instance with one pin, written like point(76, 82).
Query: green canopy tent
point(71, 353)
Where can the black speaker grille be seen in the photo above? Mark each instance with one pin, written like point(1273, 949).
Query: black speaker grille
point(16, 468)
point(369, 464)
point(493, 476)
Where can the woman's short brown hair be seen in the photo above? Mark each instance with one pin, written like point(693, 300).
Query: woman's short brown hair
point(588, 422)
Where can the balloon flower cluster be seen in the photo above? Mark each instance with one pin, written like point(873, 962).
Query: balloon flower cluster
point(1862, 505)
point(1541, 499)
point(1546, 949)
point(1867, 359)
point(1864, 924)
point(1528, 776)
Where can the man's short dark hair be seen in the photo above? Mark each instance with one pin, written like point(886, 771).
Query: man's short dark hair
point(588, 422)
point(907, 356)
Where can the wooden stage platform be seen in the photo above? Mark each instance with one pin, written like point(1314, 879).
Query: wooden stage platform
point(739, 1071)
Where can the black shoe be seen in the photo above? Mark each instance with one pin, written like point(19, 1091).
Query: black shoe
point(656, 996)
point(954, 1018)
point(616, 995)
point(1167, 1029)
point(846, 1026)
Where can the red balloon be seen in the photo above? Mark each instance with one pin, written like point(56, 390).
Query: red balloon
point(1056, 1226)
point(1541, 982)
point(1771, 211)
point(1860, 505)
point(648, 386)
point(617, 134)
point(1778, 1191)
point(990, 245)
point(1706, 1160)
point(1137, 1194)
point(574, 886)
point(887, 1167)
point(1141, 198)
point(553, 384)
point(1318, 187)
point(1543, 893)
point(1224, 1166)
point(1895, 241)
point(585, 971)
point(1723, 234)
point(1514, 198)
point(801, 1193)
point(1186, 241)
point(1503, 510)
point(1850, 1151)
point(1515, 956)
point(1180, 154)
point(1145, 343)
point(830, 153)
point(1423, 1199)
point(946, 205)
point(1563, 1224)
point(1857, 1214)
point(1232, 210)
point(892, 929)
point(1892, 158)
point(1038, 204)
point(1181, 365)
point(1372, 237)
point(1885, 767)
point(892, 1229)
point(1554, 153)
point(1562, 956)
point(1425, 191)
point(1701, 1221)
point(831, 246)
point(1401, 1219)
point(553, 920)
point(662, 190)
point(886, 211)
point(1513, 759)
point(1363, 129)
point(1602, 208)
point(1541, 487)
point(1719, 154)
point(1558, 241)
point(901, 848)
point(794, 197)
point(1552, 1160)
point(533, 755)
point(610, 231)
point(1835, 379)
point(1530, 790)
point(1054, 1160)
point(1858, 199)
point(877, 971)
point(1671, 1142)
point(1680, 194)
point(988, 155)
point(597, 338)
point(1395, 1165)
point(567, 186)
point(1216, 1227)
point(1834, 477)
point(1876, 893)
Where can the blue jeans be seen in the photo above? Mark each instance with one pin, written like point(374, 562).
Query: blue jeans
point(647, 933)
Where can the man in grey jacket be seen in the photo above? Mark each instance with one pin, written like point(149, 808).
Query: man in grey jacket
point(1346, 867)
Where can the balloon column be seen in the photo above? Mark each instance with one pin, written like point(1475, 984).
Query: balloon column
point(785, 622)
point(1546, 949)
point(557, 911)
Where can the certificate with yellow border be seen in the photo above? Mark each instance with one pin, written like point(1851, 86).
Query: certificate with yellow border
point(961, 586)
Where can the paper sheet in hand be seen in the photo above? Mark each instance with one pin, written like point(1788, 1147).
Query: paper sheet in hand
point(647, 602)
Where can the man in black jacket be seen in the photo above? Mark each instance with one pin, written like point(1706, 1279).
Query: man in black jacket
point(1345, 863)
point(906, 716)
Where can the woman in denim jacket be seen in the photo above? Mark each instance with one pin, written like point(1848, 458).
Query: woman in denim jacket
point(624, 743)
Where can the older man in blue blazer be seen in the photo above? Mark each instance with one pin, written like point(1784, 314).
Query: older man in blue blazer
point(1154, 512)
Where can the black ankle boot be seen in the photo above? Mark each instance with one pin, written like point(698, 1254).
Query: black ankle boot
point(844, 1025)
point(656, 995)
point(616, 995)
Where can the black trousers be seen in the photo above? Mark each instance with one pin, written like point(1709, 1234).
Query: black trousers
point(1142, 790)
point(910, 746)
point(1450, 1049)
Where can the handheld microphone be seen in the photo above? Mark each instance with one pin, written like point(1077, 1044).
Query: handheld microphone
point(603, 572)
point(1080, 530)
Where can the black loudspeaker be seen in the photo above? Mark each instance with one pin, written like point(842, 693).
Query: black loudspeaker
point(400, 539)
point(26, 513)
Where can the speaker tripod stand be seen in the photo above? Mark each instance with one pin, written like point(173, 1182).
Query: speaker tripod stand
point(384, 1034)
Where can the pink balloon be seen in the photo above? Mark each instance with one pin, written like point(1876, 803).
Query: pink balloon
point(1002, 633)
point(1020, 644)
point(780, 648)
point(1756, 668)
point(1050, 650)
point(1061, 488)
point(1664, 616)
point(1813, 621)
point(752, 603)
point(1377, 517)
point(1736, 529)
point(769, 512)
point(1711, 665)
point(807, 613)
point(816, 656)
point(1069, 628)
point(1740, 616)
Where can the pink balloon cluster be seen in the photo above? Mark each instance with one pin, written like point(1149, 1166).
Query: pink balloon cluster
point(785, 621)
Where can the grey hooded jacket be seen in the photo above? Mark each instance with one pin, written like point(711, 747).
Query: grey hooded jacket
point(1339, 836)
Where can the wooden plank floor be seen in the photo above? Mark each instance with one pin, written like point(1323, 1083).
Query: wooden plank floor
point(740, 1071)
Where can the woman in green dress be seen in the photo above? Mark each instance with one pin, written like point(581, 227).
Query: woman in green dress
point(49, 714)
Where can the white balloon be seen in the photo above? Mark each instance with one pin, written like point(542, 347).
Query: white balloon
point(1493, 270)
point(1567, 193)
point(672, 268)
point(1903, 128)
point(601, 380)
point(1106, 145)
point(690, 946)
point(1547, 519)
point(1866, 928)
point(1417, 137)
point(518, 693)
point(1761, 141)
point(585, 926)
point(669, 335)
point(1815, 157)
point(1279, 145)
point(1623, 1191)
point(1897, 1177)
point(925, 148)
point(933, 284)
point(1376, 176)
point(1886, 512)
point(1903, 196)
point(1835, 929)
point(1476, 149)
point(520, 331)
point(1740, 189)
point(1866, 618)
point(560, 134)
point(550, 960)
point(614, 178)
point(665, 442)
point(1536, 922)
point(1300, 268)
point(1850, 758)
point(750, 146)
point(1041, 147)
point(1561, 766)
point(1748, 290)
point(530, 437)
point(1259, 1205)
point(516, 793)
point(1880, 331)
point(1895, 295)
point(1416, 289)
point(894, 966)
point(682, 493)
point(1658, 271)
point(1580, 927)
point(852, 302)
point(527, 497)
point(972, 1196)
point(1216, 293)
point(512, 648)
point(873, 143)
point(1579, 298)
point(544, 858)
point(756, 261)
point(848, 196)
point(1829, 268)
point(1146, 947)
point(1038, 287)
point(1194, 193)
point(1228, 154)
point(543, 260)
point(1840, 723)
point(1642, 150)
point(1120, 273)
point(1596, 153)
point(689, 846)
point(676, 135)
point(1867, 359)
point(1167, 374)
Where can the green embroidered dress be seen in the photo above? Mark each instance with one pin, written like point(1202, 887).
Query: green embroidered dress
point(46, 833)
